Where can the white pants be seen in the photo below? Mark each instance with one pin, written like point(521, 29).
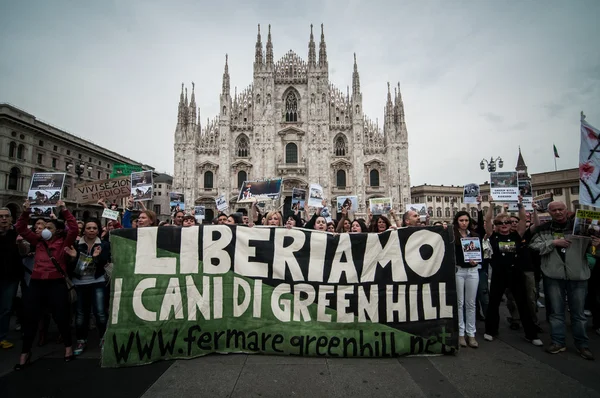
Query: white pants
point(467, 282)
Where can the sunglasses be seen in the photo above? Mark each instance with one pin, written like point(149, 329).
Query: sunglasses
point(502, 222)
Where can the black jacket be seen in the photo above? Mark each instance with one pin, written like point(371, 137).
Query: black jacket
point(11, 266)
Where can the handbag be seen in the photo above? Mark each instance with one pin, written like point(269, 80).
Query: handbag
point(68, 281)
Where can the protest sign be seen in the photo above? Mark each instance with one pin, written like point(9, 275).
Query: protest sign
point(141, 185)
point(471, 249)
point(350, 203)
point(110, 214)
point(470, 193)
point(379, 206)
point(188, 292)
point(199, 213)
point(115, 188)
point(298, 199)
point(176, 201)
point(260, 190)
point(44, 192)
point(542, 201)
point(526, 193)
point(315, 195)
point(504, 186)
point(587, 223)
point(420, 208)
point(221, 203)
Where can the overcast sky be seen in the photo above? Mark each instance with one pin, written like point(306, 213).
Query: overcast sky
point(479, 78)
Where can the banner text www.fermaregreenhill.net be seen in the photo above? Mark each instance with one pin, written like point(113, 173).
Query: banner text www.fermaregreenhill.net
point(137, 347)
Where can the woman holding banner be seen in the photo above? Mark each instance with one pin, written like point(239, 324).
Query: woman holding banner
point(47, 285)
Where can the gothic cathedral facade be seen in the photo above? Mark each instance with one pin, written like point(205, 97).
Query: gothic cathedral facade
point(292, 123)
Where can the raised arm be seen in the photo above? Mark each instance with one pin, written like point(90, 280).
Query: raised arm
point(22, 225)
point(480, 223)
point(70, 221)
point(522, 226)
point(393, 216)
point(489, 228)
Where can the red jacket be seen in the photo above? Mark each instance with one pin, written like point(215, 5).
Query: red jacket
point(43, 267)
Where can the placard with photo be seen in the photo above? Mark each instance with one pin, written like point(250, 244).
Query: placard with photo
point(44, 192)
point(420, 208)
point(350, 203)
point(260, 191)
point(526, 192)
point(298, 199)
point(471, 249)
point(379, 206)
point(470, 193)
point(315, 195)
point(504, 186)
point(141, 185)
point(176, 201)
point(199, 213)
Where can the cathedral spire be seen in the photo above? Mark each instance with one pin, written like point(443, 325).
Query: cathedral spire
point(312, 54)
point(322, 50)
point(180, 108)
point(258, 54)
point(269, 48)
point(186, 97)
point(192, 107)
point(226, 83)
point(355, 79)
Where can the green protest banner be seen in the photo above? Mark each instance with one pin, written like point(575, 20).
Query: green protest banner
point(120, 170)
point(188, 292)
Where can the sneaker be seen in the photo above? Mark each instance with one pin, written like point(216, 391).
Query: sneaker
point(472, 342)
point(488, 337)
point(587, 313)
point(79, 347)
point(555, 348)
point(586, 353)
point(536, 342)
point(461, 341)
point(6, 344)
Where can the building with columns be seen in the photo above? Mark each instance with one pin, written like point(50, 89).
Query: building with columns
point(30, 145)
point(291, 122)
point(444, 201)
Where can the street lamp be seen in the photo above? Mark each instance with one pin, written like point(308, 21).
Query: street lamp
point(79, 169)
point(491, 164)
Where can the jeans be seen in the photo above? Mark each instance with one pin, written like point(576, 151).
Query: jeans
point(467, 282)
point(90, 298)
point(8, 291)
point(576, 292)
point(513, 279)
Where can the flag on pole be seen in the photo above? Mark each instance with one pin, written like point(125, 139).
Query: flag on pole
point(555, 152)
point(589, 165)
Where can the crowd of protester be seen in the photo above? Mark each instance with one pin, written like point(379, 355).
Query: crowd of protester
point(48, 260)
